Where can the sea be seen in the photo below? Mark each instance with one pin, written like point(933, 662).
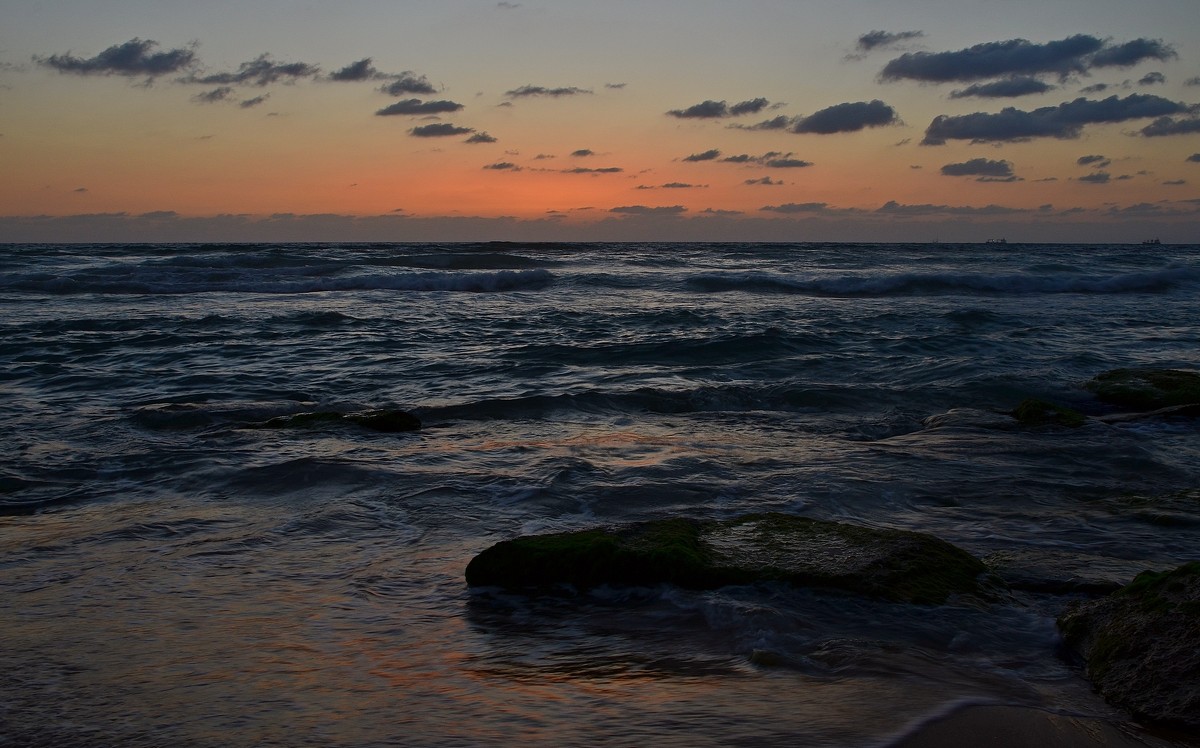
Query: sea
point(172, 574)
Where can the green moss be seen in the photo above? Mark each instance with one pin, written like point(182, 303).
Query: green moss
point(1034, 412)
point(1147, 389)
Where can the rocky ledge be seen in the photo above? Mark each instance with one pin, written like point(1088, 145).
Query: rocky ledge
point(704, 554)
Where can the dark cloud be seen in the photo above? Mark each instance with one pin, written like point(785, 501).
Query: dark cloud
point(1095, 88)
point(1192, 81)
point(615, 85)
point(1095, 161)
point(850, 117)
point(1064, 121)
point(211, 97)
point(764, 181)
point(583, 152)
point(1194, 158)
point(670, 186)
point(80, 189)
point(705, 156)
point(1150, 79)
point(786, 163)
point(979, 167)
point(362, 70)
point(261, 71)
point(1176, 182)
point(407, 82)
point(719, 212)
point(1007, 88)
point(601, 170)
point(645, 210)
point(1168, 126)
point(1020, 57)
point(525, 91)
point(134, 58)
point(782, 122)
point(881, 39)
point(1100, 177)
point(710, 109)
point(480, 137)
point(503, 166)
point(417, 107)
point(251, 103)
point(894, 208)
point(796, 208)
point(771, 159)
point(439, 130)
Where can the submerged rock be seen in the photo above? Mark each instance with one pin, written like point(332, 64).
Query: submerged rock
point(1147, 389)
point(1034, 412)
point(889, 564)
point(389, 421)
point(1142, 645)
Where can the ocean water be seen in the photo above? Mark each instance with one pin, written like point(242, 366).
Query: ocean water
point(170, 575)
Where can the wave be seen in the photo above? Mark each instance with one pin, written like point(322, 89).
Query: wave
point(916, 284)
point(226, 282)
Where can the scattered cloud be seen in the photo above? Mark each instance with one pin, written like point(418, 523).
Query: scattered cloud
point(615, 85)
point(251, 103)
point(582, 152)
point(979, 167)
point(527, 91)
point(261, 71)
point(80, 190)
point(413, 107)
point(1168, 126)
point(507, 6)
point(1192, 81)
point(671, 186)
point(710, 109)
point(883, 39)
point(771, 159)
point(1063, 121)
point(1006, 88)
point(1150, 79)
point(407, 82)
point(1100, 177)
point(796, 208)
point(503, 166)
point(894, 208)
point(1095, 88)
point(708, 155)
point(211, 97)
point(782, 122)
point(439, 130)
point(1176, 182)
point(1019, 57)
point(362, 70)
point(1194, 158)
point(601, 170)
point(480, 137)
point(134, 58)
point(645, 210)
point(849, 117)
point(765, 181)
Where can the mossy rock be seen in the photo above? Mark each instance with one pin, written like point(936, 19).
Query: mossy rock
point(1147, 389)
point(889, 564)
point(389, 421)
point(1034, 412)
point(1141, 645)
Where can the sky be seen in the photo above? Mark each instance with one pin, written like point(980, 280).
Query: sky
point(657, 120)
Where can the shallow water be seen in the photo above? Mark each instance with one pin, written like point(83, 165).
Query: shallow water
point(173, 576)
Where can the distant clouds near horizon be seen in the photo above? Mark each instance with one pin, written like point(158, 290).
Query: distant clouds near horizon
point(457, 141)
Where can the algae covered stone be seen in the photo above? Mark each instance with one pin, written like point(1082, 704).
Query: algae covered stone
point(889, 564)
point(1034, 412)
point(1147, 389)
point(1142, 645)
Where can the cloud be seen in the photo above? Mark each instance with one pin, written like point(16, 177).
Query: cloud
point(362, 70)
point(704, 156)
point(211, 97)
point(1176, 182)
point(1007, 88)
point(892, 207)
point(480, 137)
point(771, 159)
point(1019, 57)
point(1194, 158)
point(508, 6)
point(1192, 81)
point(796, 208)
point(615, 85)
point(882, 39)
point(526, 91)
point(782, 122)
point(583, 152)
point(601, 170)
point(764, 181)
point(710, 109)
point(1064, 121)
point(503, 166)
point(1168, 126)
point(1100, 177)
point(261, 71)
point(786, 163)
point(979, 167)
point(671, 186)
point(134, 58)
point(439, 130)
point(1095, 88)
point(407, 82)
point(1095, 161)
point(251, 103)
point(1150, 79)
point(645, 210)
point(850, 117)
point(80, 190)
point(413, 107)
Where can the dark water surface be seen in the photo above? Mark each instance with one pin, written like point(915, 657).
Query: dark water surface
point(171, 576)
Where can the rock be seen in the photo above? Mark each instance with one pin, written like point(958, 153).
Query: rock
point(1147, 389)
point(1034, 412)
point(889, 564)
point(389, 421)
point(1141, 646)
